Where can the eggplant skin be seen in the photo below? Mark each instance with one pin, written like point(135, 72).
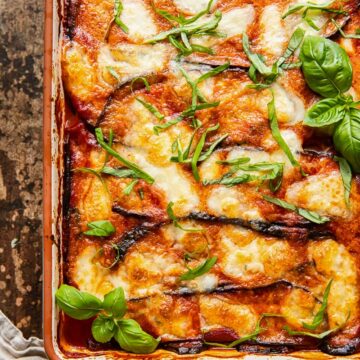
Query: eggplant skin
point(348, 349)
point(185, 347)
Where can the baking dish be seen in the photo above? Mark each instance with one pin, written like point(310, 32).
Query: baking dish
point(54, 113)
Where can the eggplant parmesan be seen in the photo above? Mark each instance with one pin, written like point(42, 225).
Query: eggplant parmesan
point(211, 194)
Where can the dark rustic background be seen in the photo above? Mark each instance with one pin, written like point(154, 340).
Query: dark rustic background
point(21, 62)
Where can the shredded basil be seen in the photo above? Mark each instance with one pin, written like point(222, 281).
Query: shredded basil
point(346, 175)
point(130, 187)
point(144, 80)
point(151, 108)
point(199, 270)
point(100, 228)
point(175, 220)
point(180, 35)
point(307, 214)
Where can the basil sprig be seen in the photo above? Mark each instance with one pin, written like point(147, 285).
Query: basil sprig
point(100, 228)
point(307, 214)
point(267, 73)
point(175, 220)
point(180, 36)
point(308, 6)
point(200, 270)
point(198, 155)
point(108, 323)
point(198, 100)
point(346, 175)
point(252, 336)
point(326, 66)
point(327, 70)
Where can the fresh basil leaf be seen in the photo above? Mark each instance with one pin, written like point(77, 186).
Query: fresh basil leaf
point(175, 220)
point(307, 214)
point(346, 36)
point(103, 329)
point(199, 270)
point(151, 108)
point(274, 126)
point(114, 303)
point(77, 304)
point(326, 66)
point(346, 175)
point(100, 228)
point(127, 191)
point(325, 112)
point(347, 138)
point(118, 8)
point(133, 339)
point(120, 173)
point(139, 173)
point(319, 316)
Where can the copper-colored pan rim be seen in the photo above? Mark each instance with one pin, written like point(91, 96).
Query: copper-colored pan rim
point(48, 319)
point(47, 183)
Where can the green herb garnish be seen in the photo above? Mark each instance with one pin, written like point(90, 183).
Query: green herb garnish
point(175, 220)
point(307, 214)
point(199, 270)
point(151, 108)
point(118, 8)
point(100, 228)
point(346, 176)
point(109, 322)
point(180, 35)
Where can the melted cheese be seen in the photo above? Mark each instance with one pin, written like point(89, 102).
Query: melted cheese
point(130, 60)
point(321, 193)
point(138, 19)
point(192, 7)
point(224, 201)
point(247, 254)
point(273, 36)
point(335, 262)
point(240, 318)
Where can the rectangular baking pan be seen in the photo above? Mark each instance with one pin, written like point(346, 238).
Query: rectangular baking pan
point(53, 122)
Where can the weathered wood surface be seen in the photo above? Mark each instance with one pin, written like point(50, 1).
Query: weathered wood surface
point(21, 50)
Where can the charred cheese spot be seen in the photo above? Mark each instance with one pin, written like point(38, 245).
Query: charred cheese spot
point(335, 262)
point(322, 193)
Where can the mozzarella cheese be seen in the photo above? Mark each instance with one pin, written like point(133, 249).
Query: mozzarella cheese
point(192, 7)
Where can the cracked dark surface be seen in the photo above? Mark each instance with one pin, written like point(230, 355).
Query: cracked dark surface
point(21, 61)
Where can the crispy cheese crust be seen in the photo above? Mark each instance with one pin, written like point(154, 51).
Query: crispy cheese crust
point(269, 259)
